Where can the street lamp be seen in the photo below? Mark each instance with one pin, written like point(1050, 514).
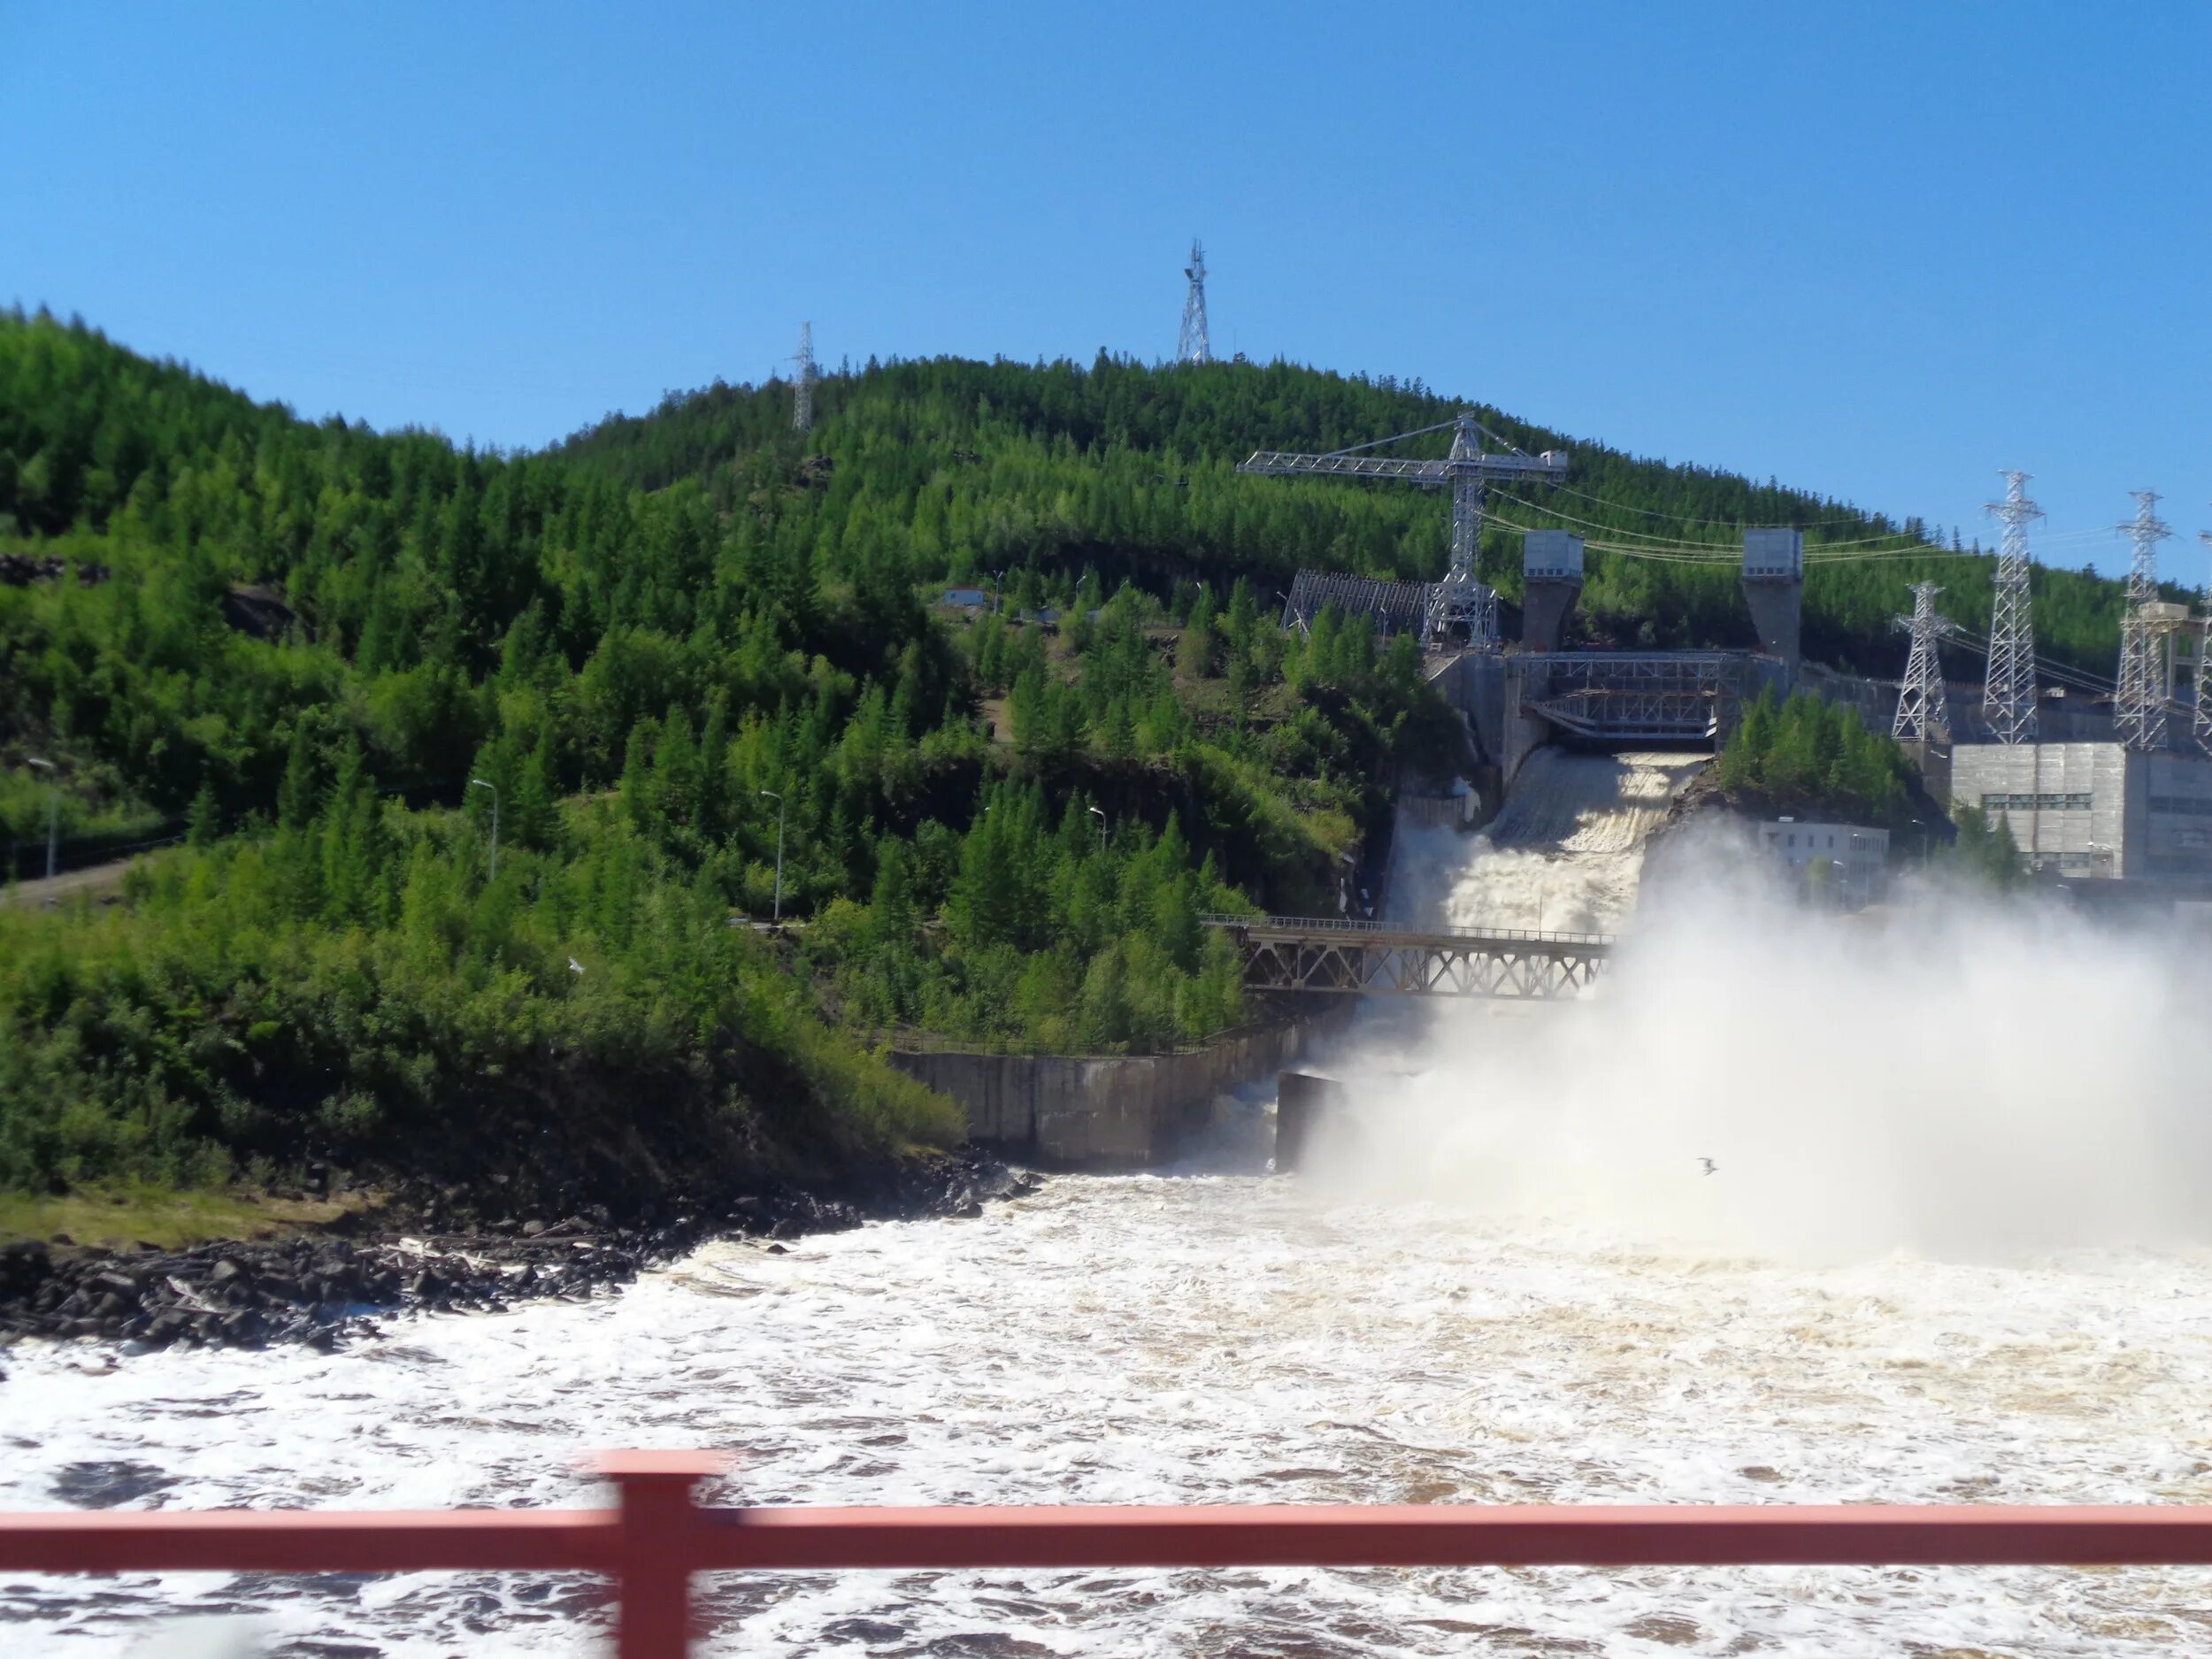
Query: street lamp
point(53, 814)
point(1101, 817)
point(478, 783)
point(778, 799)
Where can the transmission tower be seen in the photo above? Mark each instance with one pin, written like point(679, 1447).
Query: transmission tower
point(1191, 348)
point(2008, 693)
point(2140, 708)
point(2202, 725)
point(1920, 705)
point(803, 382)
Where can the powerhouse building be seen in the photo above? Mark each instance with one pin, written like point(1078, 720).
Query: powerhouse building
point(2094, 809)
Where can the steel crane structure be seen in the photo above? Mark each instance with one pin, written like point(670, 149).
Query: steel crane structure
point(1460, 600)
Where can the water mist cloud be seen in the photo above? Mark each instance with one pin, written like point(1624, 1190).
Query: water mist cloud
point(1956, 1075)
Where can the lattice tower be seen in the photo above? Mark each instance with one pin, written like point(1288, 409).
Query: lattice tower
point(1460, 599)
point(1193, 348)
point(2008, 693)
point(2140, 707)
point(803, 382)
point(2202, 724)
point(1920, 708)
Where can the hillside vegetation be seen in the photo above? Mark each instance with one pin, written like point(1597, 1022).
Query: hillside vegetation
point(663, 648)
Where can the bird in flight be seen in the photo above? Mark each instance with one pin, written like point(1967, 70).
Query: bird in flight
point(1711, 1168)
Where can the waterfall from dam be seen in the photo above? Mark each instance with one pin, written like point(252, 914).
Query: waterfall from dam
point(1565, 855)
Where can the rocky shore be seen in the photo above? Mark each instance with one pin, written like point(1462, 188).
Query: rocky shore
point(321, 1288)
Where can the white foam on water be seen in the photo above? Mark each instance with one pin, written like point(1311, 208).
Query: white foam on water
point(1224, 1339)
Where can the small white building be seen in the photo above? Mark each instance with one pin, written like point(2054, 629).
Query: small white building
point(1848, 862)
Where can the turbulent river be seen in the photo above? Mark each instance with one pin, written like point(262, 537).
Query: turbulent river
point(1217, 1334)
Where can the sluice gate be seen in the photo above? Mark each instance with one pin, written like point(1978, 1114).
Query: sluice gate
point(1295, 952)
point(1631, 696)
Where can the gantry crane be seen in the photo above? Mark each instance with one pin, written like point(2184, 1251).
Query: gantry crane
point(1459, 599)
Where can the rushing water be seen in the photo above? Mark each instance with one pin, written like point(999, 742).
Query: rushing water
point(1491, 1298)
point(1565, 855)
point(1199, 1338)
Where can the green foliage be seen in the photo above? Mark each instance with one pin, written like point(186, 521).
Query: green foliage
point(1985, 851)
point(354, 986)
point(1806, 752)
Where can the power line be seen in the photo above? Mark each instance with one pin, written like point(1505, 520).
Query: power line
point(1720, 524)
point(1716, 546)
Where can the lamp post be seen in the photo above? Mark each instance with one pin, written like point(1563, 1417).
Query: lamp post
point(778, 799)
point(1101, 817)
point(478, 783)
point(53, 814)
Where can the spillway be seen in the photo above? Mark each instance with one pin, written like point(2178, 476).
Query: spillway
point(1564, 854)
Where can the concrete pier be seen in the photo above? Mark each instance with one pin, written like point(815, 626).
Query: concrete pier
point(1303, 1103)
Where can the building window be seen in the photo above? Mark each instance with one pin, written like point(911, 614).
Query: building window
point(2048, 802)
point(2182, 805)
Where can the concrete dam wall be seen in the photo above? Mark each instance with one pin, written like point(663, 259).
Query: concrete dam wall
point(1108, 1111)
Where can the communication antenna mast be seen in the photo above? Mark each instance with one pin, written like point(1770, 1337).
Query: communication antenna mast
point(1191, 348)
point(2140, 708)
point(1920, 707)
point(2008, 693)
point(2202, 726)
point(803, 382)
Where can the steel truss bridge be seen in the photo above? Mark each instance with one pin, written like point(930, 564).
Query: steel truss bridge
point(1301, 953)
point(1628, 696)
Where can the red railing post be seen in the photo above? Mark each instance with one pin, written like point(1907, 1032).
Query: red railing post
point(656, 1548)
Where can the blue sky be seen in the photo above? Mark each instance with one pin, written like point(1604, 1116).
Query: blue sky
point(1878, 250)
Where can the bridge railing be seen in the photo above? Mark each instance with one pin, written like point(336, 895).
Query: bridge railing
point(657, 1537)
point(1316, 925)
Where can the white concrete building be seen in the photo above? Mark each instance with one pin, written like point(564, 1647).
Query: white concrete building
point(2094, 809)
point(1849, 863)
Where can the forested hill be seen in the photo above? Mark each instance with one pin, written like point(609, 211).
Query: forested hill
point(964, 468)
point(480, 754)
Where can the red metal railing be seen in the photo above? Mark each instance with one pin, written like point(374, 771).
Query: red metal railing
point(657, 1537)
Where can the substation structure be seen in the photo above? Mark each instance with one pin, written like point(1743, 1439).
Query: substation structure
point(1288, 953)
point(2107, 783)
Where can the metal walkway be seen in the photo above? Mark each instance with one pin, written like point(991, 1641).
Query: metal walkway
point(1630, 696)
point(1299, 953)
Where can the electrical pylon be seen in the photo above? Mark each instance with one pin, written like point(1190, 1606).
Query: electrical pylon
point(2139, 706)
point(2201, 727)
point(803, 382)
point(2008, 693)
point(1920, 706)
point(1193, 348)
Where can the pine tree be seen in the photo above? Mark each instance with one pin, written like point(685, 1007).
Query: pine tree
point(204, 824)
point(295, 796)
